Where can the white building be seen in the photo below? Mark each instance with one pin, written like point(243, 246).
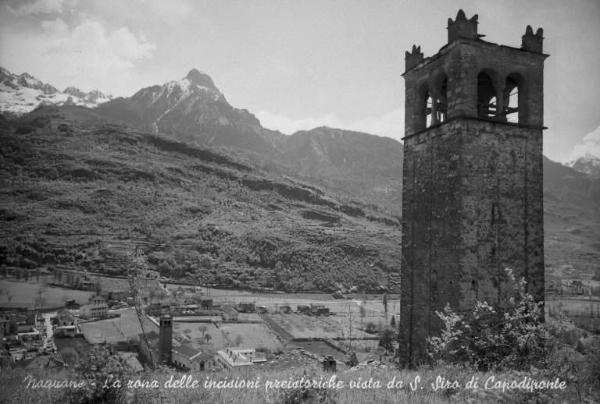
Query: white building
point(235, 357)
point(96, 308)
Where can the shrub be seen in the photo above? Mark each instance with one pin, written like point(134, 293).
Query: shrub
point(100, 366)
point(511, 335)
point(371, 328)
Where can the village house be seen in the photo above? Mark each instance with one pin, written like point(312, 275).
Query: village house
point(319, 310)
point(235, 357)
point(66, 324)
point(65, 318)
point(206, 304)
point(246, 307)
point(28, 334)
point(261, 309)
point(229, 313)
point(6, 326)
point(96, 308)
point(189, 359)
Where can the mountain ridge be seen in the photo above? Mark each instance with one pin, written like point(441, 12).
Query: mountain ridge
point(587, 164)
point(345, 164)
point(81, 190)
point(20, 94)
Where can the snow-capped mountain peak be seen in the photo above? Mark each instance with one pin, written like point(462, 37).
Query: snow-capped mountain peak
point(201, 79)
point(587, 164)
point(195, 86)
point(74, 91)
point(23, 93)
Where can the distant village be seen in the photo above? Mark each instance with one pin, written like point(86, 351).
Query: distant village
point(190, 328)
point(182, 327)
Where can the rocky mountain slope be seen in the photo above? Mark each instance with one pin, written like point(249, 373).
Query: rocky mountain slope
point(588, 164)
point(319, 179)
point(23, 93)
point(79, 190)
point(571, 222)
point(193, 110)
point(359, 164)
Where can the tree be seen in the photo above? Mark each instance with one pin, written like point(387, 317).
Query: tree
point(98, 286)
point(371, 328)
point(70, 356)
point(202, 329)
point(386, 339)
point(352, 359)
point(40, 300)
point(385, 303)
point(100, 369)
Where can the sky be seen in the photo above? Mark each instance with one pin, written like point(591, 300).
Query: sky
point(301, 64)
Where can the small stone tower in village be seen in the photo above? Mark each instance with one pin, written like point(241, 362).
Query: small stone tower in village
point(472, 181)
point(165, 339)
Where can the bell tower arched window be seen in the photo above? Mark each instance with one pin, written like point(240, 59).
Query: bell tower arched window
point(514, 108)
point(428, 110)
point(442, 102)
point(487, 105)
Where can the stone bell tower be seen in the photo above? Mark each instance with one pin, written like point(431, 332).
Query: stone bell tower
point(472, 181)
point(165, 339)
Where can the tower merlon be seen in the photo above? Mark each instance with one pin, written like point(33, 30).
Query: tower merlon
point(533, 42)
point(462, 27)
point(414, 57)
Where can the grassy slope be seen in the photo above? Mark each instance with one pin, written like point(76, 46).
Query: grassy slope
point(73, 183)
point(572, 222)
point(103, 189)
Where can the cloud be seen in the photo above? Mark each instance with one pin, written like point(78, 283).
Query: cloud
point(590, 144)
point(40, 7)
point(390, 124)
point(87, 54)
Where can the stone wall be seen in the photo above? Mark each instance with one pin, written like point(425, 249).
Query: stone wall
point(472, 206)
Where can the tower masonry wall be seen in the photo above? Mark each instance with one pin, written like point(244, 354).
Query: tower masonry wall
point(472, 206)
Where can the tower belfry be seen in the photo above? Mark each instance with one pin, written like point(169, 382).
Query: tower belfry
point(472, 181)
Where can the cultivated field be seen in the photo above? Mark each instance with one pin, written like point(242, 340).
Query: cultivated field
point(228, 335)
point(575, 306)
point(120, 329)
point(23, 294)
point(195, 333)
point(335, 326)
point(251, 335)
